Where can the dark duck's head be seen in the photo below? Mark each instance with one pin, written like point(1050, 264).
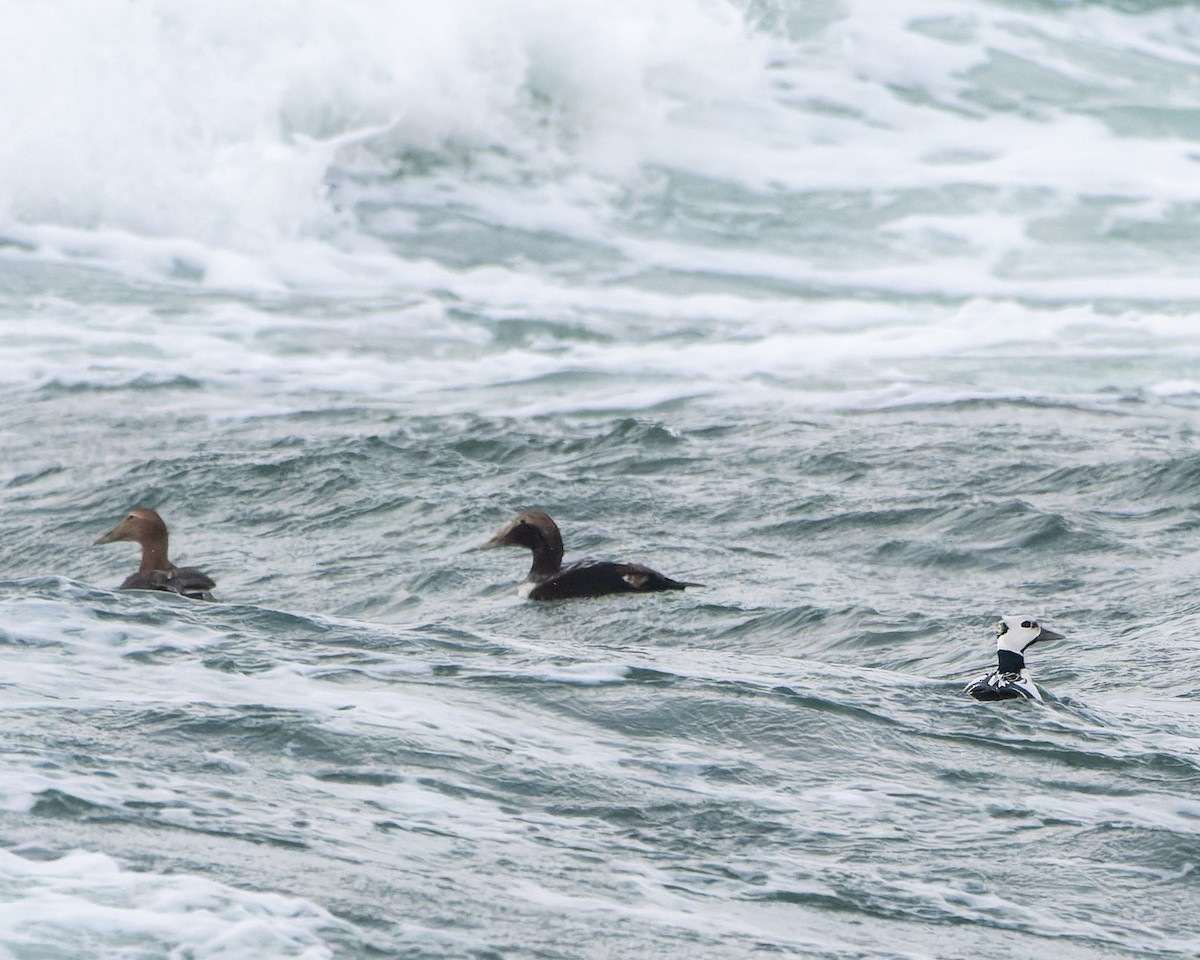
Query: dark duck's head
point(1010, 680)
point(536, 532)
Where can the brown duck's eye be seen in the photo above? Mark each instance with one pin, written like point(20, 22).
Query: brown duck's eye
point(1028, 624)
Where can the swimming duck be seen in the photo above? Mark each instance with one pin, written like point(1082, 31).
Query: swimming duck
point(156, 572)
point(1010, 680)
point(549, 580)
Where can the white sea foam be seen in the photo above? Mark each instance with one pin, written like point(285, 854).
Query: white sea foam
point(831, 352)
point(89, 904)
point(219, 129)
point(291, 161)
point(208, 143)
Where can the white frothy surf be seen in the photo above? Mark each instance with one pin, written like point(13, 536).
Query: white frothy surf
point(88, 904)
point(1016, 153)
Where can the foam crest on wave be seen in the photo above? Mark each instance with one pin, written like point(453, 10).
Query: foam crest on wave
point(935, 147)
point(218, 124)
point(89, 902)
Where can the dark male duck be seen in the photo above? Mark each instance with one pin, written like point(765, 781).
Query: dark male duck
point(1010, 680)
point(156, 572)
point(549, 580)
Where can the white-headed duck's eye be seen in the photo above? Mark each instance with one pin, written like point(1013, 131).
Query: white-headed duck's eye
point(1003, 629)
point(1028, 624)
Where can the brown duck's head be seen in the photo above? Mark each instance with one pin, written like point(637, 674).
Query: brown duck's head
point(141, 525)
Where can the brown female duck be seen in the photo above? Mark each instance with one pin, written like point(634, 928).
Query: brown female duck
point(156, 572)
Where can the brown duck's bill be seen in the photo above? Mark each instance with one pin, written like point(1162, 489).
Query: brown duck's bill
point(120, 532)
point(116, 533)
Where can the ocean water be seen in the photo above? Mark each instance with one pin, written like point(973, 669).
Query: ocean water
point(880, 320)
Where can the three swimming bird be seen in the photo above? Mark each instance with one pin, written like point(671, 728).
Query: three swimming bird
point(1010, 680)
point(548, 579)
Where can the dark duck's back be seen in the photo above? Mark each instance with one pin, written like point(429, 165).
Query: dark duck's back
point(146, 528)
point(549, 580)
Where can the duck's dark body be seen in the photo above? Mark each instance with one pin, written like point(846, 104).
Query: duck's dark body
point(549, 580)
point(595, 578)
point(185, 581)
